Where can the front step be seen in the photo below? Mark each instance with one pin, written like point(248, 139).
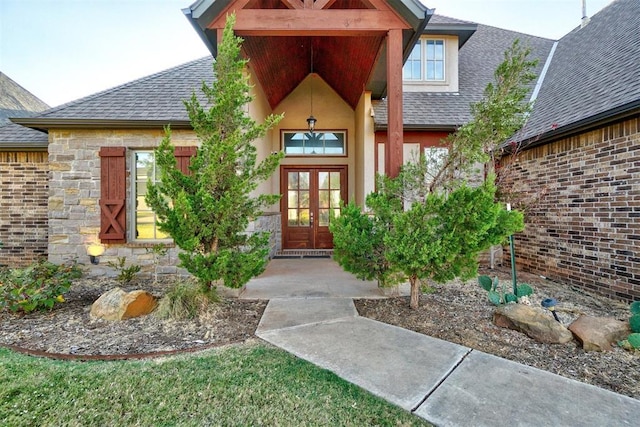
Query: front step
point(303, 253)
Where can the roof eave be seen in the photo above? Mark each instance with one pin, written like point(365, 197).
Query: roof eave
point(463, 31)
point(44, 124)
point(590, 123)
point(17, 146)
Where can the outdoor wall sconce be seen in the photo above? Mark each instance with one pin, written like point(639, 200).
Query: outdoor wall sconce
point(95, 251)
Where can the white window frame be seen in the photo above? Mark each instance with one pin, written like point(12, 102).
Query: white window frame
point(322, 153)
point(135, 182)
point(424, 60)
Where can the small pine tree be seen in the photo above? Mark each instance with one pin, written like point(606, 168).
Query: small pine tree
point(433, 225)
point(207, 211)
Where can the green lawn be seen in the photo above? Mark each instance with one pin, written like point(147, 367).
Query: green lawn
point(248, 385)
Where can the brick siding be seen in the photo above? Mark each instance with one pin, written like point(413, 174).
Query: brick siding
point(24, 192)
point(585, 230)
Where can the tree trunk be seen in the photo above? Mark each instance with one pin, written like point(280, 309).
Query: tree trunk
point(415, 292)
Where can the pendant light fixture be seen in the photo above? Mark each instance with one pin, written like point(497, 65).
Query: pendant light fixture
point(311, 121)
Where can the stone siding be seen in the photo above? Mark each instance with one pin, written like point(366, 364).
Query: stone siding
point(74, 192)
point(585, 231)
point(23, 207)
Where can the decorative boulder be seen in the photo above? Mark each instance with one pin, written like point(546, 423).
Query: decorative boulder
point(117, 304)
point(532, 321)
point(597, 333)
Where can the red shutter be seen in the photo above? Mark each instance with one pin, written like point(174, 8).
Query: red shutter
point(183, 157)
point(113, 212)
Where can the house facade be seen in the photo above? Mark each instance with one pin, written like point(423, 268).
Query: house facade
point(384, 80)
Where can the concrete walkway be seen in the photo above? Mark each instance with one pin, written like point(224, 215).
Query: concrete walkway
point(311, 315)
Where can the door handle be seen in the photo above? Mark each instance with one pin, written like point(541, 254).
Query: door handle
point(311, 219)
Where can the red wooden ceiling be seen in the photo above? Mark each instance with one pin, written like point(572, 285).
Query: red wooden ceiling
point(280, 63)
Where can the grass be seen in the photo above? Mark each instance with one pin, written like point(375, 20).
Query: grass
point(251, 384)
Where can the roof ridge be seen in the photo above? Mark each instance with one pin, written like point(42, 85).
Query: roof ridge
point(121, 86)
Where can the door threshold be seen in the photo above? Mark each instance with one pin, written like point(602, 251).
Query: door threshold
point(303, 253)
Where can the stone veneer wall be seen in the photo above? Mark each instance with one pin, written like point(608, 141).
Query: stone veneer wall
point(23, 207)
point(74, 192)
point(585, 231)
point(74, 214)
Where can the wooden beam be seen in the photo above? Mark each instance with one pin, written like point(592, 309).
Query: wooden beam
point(288, 22)
point(393, 150)
point(293, 4)
point(323, 4)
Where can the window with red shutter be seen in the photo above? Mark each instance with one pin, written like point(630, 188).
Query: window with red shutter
point(113, 212)
point(183, 157)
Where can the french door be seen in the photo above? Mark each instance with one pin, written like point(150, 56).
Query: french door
point(310, 197)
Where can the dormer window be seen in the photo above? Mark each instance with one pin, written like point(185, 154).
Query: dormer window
point(426, 61)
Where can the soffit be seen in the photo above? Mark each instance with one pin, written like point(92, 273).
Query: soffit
point(345, 38)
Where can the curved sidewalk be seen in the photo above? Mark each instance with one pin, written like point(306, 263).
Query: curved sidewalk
point(446, 384)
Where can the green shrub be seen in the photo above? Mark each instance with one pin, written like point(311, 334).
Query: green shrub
point(125, 274)
point(634, 340)
point(634, 323)
point(185, 300)
point(36, 287)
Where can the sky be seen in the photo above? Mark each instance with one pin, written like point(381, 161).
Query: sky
point(62, 50)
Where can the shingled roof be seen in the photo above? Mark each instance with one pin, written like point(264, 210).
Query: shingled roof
point(16, 101)
point(151, 101)
point(477, 62)
point(594, 75)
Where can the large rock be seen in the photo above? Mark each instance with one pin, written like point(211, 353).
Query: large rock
point(533, 321)
point(597, 333)
point(117, 304)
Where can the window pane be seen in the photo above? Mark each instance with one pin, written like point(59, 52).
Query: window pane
point(439, 71)
point(323, 199)
point(304, 199)
point(335, 199)
point(304, 181)
point(293, 217)
point(304, 217)
point(324, 217)
point(293, 181)
point(335, 180)
point(323, 180)
point(315, 143)
point(292, 199)
point(431, 70)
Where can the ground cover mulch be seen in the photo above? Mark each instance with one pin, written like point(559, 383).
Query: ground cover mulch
point(460, 312)
point(69, 329)
point(457, 312)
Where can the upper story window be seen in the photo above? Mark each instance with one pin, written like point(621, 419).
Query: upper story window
point(426, 61)
point(144, 218)
point(323, 143)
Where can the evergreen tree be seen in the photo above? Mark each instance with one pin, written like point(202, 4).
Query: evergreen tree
point(428, 223)
point(208, 210)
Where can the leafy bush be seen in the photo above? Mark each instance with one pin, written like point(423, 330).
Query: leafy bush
point(633, 340)
point(185, 300)
point(36, 287)
point(125, 274)
point(497, 294)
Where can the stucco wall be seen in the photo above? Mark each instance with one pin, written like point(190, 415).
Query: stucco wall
point(23, 207)
point(585, 231)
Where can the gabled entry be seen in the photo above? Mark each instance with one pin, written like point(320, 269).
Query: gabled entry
point(311, 197)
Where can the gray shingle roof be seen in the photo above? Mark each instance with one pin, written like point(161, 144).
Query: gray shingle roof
point(477, 60)
point(594, 70)
point(14, 98)
point(158, 97)
point(13, 136)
